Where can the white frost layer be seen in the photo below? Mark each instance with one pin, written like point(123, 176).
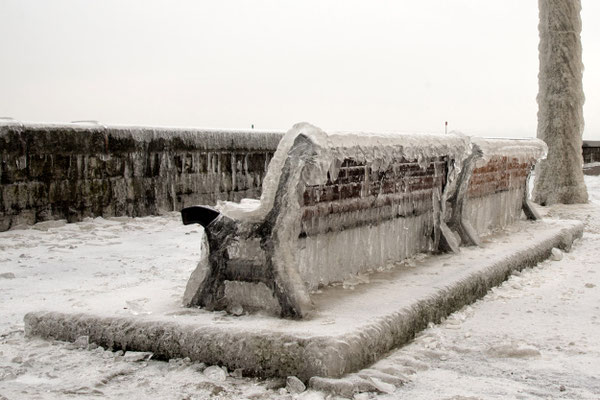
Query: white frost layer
point(374, 149)
point(525, 150)
point(551, 307)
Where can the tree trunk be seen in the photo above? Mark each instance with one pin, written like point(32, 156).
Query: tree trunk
point(559, 178)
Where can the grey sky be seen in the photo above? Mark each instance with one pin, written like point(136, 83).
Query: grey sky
point(352, 65)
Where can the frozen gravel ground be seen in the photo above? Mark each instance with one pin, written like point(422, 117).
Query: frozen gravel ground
point(536, 336)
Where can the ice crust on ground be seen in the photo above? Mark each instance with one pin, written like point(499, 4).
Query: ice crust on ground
point(553, 309)
point(333, 148)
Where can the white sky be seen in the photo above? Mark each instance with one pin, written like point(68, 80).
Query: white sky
point(354, 65)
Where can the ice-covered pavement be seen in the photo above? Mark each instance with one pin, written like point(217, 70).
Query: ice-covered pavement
point(536, 336)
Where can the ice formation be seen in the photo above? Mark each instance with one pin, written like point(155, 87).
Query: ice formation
point(72, 171)
point(336, 205)
point(211, 138)
point(521, 150)
point(498, 185)
point(559, 179)
point(326, 195)
point(375, 149)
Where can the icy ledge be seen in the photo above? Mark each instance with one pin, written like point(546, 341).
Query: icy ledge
point(523, 150)
point(373, 149)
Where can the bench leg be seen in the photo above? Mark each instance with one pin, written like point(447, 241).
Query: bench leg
point(458, 222)
point(528, 207)
point(206, 284)
point(448, 241)
point(467, 233)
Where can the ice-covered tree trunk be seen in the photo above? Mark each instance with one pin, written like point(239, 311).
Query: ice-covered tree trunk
point(559, 179)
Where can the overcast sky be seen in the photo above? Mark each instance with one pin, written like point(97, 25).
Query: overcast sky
point(401, 65)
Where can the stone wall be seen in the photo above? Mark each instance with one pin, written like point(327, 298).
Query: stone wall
point(591, 151)
point(85, 170)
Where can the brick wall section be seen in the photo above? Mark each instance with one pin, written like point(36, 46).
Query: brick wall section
point(498, 175)
point(404, 189)
point(76, 171)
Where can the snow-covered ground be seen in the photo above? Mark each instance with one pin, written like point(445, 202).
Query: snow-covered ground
point(536, 336)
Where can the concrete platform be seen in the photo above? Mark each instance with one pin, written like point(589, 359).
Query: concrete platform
point(353, 327)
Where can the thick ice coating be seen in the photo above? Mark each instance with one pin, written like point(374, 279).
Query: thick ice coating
point(333, 148)
point(498, 185)
point(336, 206)
point(323, 194)
point(524, 150)
point(190, 137)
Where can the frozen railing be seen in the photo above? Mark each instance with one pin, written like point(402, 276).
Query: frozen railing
point(337, 205)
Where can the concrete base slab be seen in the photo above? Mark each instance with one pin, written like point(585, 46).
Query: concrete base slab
point(355, 324)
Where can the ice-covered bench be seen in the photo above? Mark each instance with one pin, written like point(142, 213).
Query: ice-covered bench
point(493, 186)
point(332, 206)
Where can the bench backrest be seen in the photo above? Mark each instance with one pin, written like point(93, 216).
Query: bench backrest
point(498, 185)
point(343, 203)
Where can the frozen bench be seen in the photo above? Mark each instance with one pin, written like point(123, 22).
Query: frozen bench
point(332, 206)
point(492, 191)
